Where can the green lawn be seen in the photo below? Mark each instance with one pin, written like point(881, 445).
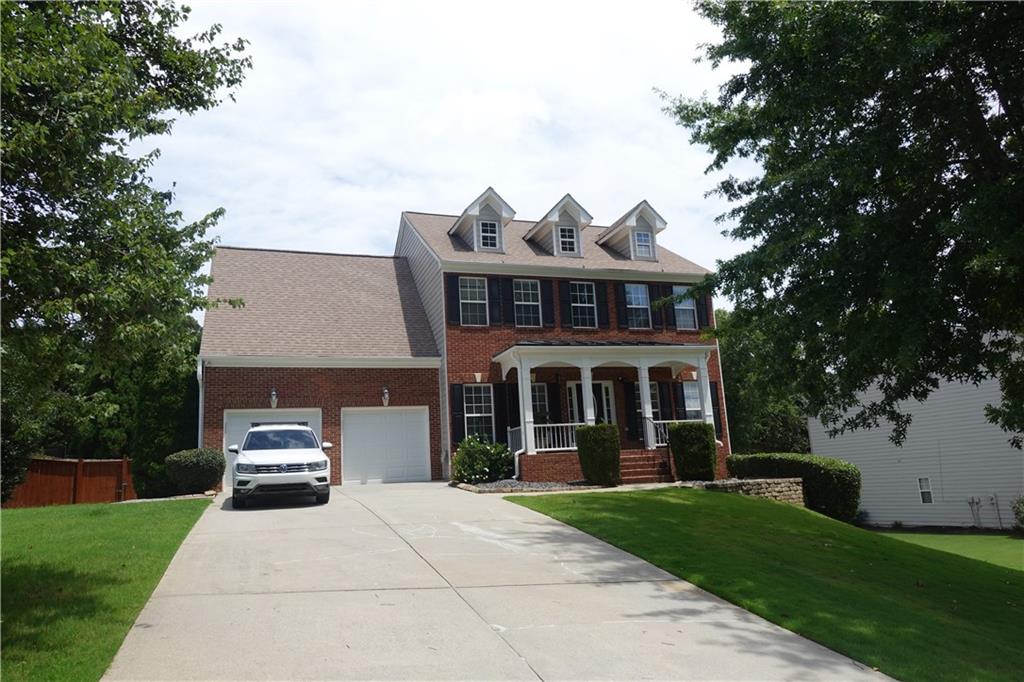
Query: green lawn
point(913, 612)
point(1002, 550)
point(75, 578)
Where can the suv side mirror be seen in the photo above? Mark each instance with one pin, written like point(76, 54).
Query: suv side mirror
point(233, 448)
point(326, 445)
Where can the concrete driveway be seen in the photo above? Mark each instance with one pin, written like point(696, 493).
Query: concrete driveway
point(423, 581)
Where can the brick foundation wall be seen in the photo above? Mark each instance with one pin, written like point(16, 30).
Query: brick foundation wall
point(330, 389)
point(789, 490)
point(550, 466)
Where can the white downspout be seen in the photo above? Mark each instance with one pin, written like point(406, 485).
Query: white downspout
point(199, 378)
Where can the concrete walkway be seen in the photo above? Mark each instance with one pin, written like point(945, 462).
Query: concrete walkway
point(426, 582)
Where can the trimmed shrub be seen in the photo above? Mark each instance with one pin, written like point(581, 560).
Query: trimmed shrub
point(1018, 514)
point(831, 486)
point(693, 449)
point(480, 461)
point(598, 449)
point(195, 471)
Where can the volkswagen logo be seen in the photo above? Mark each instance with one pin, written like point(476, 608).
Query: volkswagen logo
point(283, 468)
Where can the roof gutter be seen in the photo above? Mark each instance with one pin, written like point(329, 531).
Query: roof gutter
point(407, 362)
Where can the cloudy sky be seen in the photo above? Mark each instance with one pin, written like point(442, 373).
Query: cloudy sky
point(353, 112)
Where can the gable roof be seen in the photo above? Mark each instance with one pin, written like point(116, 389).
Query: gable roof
point(433, 228)
point(314, 305)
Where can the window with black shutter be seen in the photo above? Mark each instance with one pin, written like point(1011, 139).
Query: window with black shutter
point(716, 410)
point(458, 414)
point(452, 298)
point(629, 394)
point(547, 303)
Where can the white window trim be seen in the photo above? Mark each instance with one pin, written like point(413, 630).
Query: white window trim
point(650, 321)
point(486, 302)
point(543, 392)
point(576, 238)
point(465, 410)
point(686, 303)
point(593, 290)
point(697, 408)
point(480, 235)
point(921, 490)
point(655, 401)
point(540, 308)
point(636, 245)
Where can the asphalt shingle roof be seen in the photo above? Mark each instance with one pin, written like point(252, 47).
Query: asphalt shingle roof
point(318, 305)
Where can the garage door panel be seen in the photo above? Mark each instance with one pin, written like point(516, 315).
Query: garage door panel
point(385, 445)
point(238, 422)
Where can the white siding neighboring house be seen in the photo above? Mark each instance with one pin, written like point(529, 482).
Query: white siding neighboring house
point(954, 468)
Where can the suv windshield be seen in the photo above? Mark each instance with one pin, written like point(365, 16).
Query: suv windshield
point(285, 439)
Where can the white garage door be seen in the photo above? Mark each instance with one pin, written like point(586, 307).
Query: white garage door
point(237, 422)
point(385, 445)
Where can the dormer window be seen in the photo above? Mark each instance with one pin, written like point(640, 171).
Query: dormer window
point(568, 240)
point(489, 235)
point(643, 244)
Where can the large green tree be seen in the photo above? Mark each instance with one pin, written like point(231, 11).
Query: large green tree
point(99, 273)
point(887, 214)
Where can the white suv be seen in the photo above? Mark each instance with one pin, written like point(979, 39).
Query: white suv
point(283, 459)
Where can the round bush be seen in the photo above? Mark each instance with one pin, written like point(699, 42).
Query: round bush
point(478, 461)
point(195, 471)
point(597, 447)
point(831, 486)
point(692, 445)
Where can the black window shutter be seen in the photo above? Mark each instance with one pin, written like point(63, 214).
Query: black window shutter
point(454, 312)
point(620, 305)
point(680, 412)
point(714, 408)
point(702, 312)
point(458, 415)
point(601, 289)
point(669, 311)
point(512, 404)
point(564, 303)
point(547, 303)
point(554, 404)
point(653, 295)
point(629, 395)
point(500, 413)
point(508, 304)
point(665, 398)
point(494, 299)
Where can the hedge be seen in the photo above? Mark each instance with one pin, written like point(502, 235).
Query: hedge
point(480, 461)
point(693, 449)
point(597, 447)
point(195, 471)
point(831, 486)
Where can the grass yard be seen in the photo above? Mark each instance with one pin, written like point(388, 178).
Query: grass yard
point(1002, 550)
point(913, 612)
point(75, 577)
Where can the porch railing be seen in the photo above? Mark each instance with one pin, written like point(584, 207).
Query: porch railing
point(555, 436)
point(661, 429)
point(515, 439)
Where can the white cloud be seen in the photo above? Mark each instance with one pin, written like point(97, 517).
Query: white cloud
point(354, 112)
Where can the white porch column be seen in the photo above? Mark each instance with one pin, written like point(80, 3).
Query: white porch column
point(587, 388)
point(646, 408)
point(706, 406)
point(526, 405)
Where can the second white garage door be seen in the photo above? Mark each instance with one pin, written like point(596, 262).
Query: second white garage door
point(385, 445)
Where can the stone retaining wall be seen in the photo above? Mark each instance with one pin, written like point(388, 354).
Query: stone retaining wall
point(789, 490)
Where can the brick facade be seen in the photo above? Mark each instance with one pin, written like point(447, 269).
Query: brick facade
point(330, 389)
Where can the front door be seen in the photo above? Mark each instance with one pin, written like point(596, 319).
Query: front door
point(604, 402)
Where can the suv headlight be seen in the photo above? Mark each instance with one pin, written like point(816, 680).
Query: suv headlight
point(318, 466)
point(243, 468)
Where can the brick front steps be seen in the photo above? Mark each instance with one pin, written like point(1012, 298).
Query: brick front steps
point(645, 466)
point(635, 466)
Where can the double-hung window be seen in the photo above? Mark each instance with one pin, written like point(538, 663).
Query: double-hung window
point(539, 398)
point(924, 487)
point(584, 305)
point(638, 306)
point(643, 245)
point(473, 300)
point(691, 400)
point(655, 401)
point(479, 410)
point(568, 239)
point(685, 308)
point(526, 294)
point(489, 235)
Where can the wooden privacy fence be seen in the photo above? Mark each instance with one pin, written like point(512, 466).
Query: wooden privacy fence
point(74, 481)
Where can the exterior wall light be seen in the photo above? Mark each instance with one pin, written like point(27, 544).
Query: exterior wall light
point(385, 396)
point(273, 398)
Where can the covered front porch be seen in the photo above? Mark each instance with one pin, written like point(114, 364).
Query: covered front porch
point(555, 387)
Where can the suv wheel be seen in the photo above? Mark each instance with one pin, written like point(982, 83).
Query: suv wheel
point(237, 502)
point(323, 499)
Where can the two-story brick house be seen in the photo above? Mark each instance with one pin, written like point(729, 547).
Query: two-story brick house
point(515, 330)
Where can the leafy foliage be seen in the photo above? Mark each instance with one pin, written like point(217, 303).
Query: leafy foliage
point(480, 461)
point(886, 217)
point(692, 445)
point(196, 470)
point(99, 274)
point(831, 486)
point(598, 449)
point(1018, 513)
